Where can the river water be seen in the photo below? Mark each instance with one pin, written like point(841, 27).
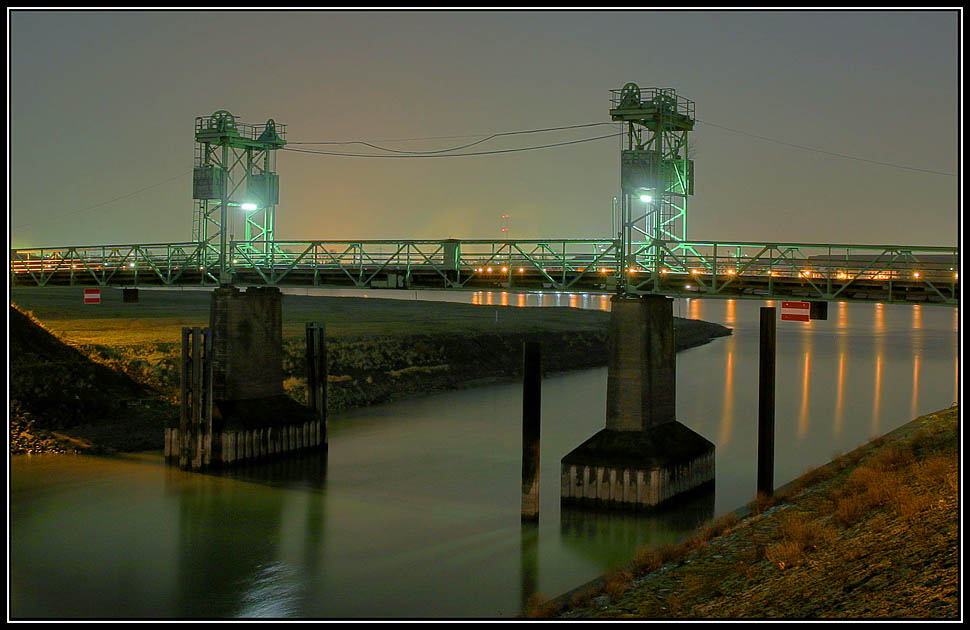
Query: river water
point(414, 512)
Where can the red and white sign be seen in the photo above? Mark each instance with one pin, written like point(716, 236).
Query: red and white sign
point(796, 311)
point(92, 296)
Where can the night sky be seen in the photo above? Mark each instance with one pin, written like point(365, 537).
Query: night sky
point(102, 104)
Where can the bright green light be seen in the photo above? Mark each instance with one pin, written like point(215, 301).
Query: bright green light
point(646, 198)
point(249, 206)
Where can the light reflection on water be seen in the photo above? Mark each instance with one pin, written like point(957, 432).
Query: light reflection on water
point(414, 511)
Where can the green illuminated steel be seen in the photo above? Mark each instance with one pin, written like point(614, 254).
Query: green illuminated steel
point(709, 269)
point(234, 167)
point(656, 172)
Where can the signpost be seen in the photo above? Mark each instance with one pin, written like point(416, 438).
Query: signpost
point(792, 312)
point(766, 400)
point(796, 311)
point(92, 296)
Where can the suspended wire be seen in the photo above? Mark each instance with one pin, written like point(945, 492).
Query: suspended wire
point(464, 146)
point(104, 203)
point(436, 155)
point(446, 153)
point(841, 155)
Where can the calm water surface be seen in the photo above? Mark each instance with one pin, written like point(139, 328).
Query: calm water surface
point(415, 510)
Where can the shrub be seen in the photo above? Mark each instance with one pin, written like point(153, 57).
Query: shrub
point(652, 558)
point(850, 508)
point(617, 583)
point(785, 554)
point(935, 468)
point(909, 504)
point(804, 532)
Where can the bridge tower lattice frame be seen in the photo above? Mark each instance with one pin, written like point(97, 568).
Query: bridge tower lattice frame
point(234, 168)
point(656, 175)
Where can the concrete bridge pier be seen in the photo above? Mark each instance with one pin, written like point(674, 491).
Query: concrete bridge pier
point(251, 416)
point(644, 457)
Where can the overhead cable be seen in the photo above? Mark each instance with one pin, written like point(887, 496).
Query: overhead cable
point(841, 155)
point(437, 155)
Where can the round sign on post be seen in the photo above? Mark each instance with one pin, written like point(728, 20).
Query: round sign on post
point(92, 296)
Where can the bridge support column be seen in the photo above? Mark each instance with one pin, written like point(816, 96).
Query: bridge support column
point(451, 252)
point(252, 417)
point(643, 457)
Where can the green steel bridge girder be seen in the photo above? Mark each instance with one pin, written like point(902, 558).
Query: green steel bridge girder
point(709, 269)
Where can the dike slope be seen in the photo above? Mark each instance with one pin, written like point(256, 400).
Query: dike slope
point(874, 534)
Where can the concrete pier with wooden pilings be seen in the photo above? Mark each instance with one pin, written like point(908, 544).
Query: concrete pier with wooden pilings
point(644, 457)
point(236, 410)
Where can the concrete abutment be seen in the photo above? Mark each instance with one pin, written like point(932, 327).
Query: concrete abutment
point(643, 457)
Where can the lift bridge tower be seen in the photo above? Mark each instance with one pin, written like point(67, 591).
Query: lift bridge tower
point(656, 175)
point(234, 175)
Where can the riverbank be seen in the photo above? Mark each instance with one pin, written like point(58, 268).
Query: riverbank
point(874, 534)
point(378, 351)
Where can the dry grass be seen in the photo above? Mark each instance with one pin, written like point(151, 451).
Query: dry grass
point(890, 539)
point(583, 597)
point(617, 583)
point(649, 559)
point(850, 508)
point(702, 585)
point(806, 532)
point(785, 554)
point(937, 468)
point(909, 504)
point(815, 476)
point(160, 315)
point(800, 534)
point(539, 607)
point(877, 485)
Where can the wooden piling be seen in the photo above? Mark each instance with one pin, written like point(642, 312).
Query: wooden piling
point(185, 404)
point(531, 405)
point(316, 365)
point(766, 403)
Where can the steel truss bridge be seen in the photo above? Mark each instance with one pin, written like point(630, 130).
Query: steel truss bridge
point(883, 273)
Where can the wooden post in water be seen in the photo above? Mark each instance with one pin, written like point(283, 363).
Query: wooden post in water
point(185, 403)
point(316, 368)
point(531, 404)
point(195, 418)
point(766, 403)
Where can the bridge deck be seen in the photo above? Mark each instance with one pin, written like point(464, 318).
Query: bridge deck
point(891, 273)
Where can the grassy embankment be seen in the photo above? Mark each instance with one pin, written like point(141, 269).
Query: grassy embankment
point(873, 534)
point(378, 350)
